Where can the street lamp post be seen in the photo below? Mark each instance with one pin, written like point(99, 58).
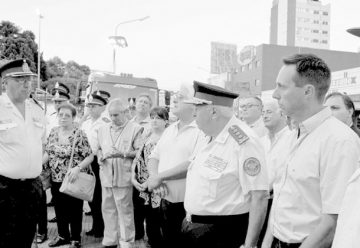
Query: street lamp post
point(120, 40)
point(39, 51)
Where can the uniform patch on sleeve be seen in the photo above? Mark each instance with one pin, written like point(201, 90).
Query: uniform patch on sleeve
point(238, 134)
point(252, 166)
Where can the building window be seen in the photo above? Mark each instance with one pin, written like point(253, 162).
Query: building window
point(315, 41)
point(325, 23)
point(257, 82)
point(324, 41)
point(324, 32)
point(257, 63)
point(316, 21)
point(242, 68)
point(250, 66)
point(325, 13)
point(316, 12)
point(315, 31)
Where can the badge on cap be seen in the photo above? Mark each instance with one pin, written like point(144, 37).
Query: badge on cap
point(98, 93)
point(91, 98)
point(25, 67)
point(57, 95)
point(252, 166)
point(57, 85)
point(238, 134)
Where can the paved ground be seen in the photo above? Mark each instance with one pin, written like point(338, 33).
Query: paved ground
point(87, 241)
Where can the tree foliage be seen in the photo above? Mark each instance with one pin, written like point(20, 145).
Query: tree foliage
point(15, 44)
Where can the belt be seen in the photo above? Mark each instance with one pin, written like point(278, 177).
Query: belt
point(280, 244)
point(216, 219)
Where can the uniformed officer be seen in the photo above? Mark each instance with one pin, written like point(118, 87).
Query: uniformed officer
point(22, 133)
point(60, 95)
point(322, 156)
point(227, 185)
point(96, 105)
point(227, 178)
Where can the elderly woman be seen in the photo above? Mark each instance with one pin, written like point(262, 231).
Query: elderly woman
point(159, 120)
point(58, 151)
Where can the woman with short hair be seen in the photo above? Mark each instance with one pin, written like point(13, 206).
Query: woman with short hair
point(58, 151)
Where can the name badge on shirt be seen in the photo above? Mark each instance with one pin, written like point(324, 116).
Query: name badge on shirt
point(215, 163)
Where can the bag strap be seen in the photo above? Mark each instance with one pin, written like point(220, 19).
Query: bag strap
point(73, 149)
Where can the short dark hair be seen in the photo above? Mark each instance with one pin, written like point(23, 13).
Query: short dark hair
point(349, 104)
point(313, 69)
point(69, 106)
point(160, 112)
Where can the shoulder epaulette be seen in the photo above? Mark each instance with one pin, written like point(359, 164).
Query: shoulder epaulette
point(238, 134)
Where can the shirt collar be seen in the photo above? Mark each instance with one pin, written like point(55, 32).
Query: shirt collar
point(224, 134)
point(314, 121)
point(256, 123)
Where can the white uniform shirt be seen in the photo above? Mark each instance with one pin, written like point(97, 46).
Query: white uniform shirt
point(51, 121)
point(259, 127)
point(318, 166)
point(91, 129)
point(174, 147)
point(21, 139)
point(275, 153)
point(219, 180)
point(347, 233)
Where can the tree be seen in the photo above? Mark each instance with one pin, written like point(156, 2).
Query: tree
point(15, 44)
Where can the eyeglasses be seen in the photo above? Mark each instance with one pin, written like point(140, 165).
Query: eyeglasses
point(249, 105)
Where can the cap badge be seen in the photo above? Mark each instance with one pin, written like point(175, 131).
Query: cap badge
point(90, 98)
point(57, 95)
point(25, 67)
point(57, 85)
point(98, 93)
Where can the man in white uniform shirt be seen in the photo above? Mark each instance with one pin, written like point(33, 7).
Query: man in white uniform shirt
point(226, 184)
point(251, 110)
point(176, 146)
point(60, 95)
point(323, 154)
point(96, 106)
point(22, 135)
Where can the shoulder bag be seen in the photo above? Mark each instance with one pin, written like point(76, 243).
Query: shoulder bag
point(84, 186)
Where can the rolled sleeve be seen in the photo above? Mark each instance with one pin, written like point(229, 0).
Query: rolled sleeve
point(341, 163)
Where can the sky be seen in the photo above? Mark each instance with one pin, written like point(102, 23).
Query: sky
point(172, 45)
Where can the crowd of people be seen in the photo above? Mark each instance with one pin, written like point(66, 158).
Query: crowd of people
point(275, 174)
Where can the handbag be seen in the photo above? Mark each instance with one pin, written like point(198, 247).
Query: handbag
point(84, 186)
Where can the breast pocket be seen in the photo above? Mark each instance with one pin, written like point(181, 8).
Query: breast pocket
point(212, 178)
point(8, 132)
